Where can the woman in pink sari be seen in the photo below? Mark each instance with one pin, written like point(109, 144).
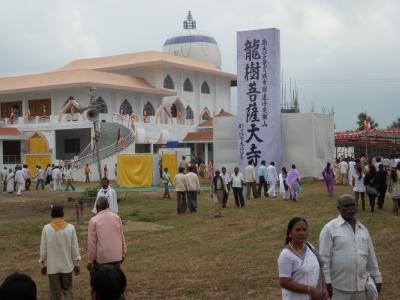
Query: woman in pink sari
point(293, 180)
point(210, 169)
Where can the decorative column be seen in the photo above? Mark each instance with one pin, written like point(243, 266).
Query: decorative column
point(206, 153)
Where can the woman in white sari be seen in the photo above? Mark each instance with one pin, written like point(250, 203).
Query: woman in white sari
point(10, 181)
point(299, 265)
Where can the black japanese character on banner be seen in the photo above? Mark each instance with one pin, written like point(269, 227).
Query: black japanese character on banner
point(252, 88)
point(251, 49)
point(253, 154)
point(252, 132)
point(252, 71)
point(252, 113)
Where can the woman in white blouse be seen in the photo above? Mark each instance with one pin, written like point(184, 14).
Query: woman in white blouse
point(359, 187)
point(299, 265)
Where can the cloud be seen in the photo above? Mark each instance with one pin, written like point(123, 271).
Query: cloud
point(324, 40)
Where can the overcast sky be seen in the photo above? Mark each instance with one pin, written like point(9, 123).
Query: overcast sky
point(344, 54)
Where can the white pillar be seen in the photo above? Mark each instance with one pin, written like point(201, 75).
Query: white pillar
point(206, 153)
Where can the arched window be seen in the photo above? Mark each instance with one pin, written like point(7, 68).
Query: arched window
point(101, 106)
point(168, 83)
point(70, 109)
point(187, 85)
point(205, 89)
point(125, 108)
point(189, 113)
point(206, 114)
point(149, 109)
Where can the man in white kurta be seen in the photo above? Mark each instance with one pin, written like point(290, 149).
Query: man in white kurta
point(272, 178)
point(110, 194)
point(57, 178)
point(20, 180)
point(352, 171)
point(343, 170)
point(59, 254)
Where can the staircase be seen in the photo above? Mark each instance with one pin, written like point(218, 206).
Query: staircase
point(108, 144)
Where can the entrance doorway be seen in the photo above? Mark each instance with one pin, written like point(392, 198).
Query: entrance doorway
point(11, 152)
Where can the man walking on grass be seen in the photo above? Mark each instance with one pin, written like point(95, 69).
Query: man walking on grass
point(180, 188)
point(347, 250)
point(227, 179)
point(110, 194)
point(193, 188)
point(20, 180)
point(106, 240)
point(59, 254)
point(272, 178)
point(69, 178)
point(250, 180)
point(262, 179)
point(218, 188)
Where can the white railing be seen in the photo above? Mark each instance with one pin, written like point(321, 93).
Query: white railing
point(91, 157)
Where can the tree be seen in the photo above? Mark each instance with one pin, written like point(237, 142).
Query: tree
point(395, 124)
point(362, 117)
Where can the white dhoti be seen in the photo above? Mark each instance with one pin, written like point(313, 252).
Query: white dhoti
point(56, 185)
point(21, 188)
point(271, 190)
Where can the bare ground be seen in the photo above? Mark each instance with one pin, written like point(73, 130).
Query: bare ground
point(192, 256)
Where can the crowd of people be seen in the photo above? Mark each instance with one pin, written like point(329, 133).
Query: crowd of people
point(20, 179)
point(373, 178)
point(345, 267)
point(187, 184)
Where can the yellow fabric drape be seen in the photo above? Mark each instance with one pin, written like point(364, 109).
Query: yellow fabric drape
point(135, 170)
point(37, 145)
point(169, 161)
point(40, 160)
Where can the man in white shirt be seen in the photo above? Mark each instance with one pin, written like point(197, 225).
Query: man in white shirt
point(347, 250)
point(272, 178)
point(110, 194)
point(193, 188)
point(69, 178)
point(27, 175)
point(59, 254)
point(56, 175)
point(40, 178)
point(250, 180)
point(180, 188)
point(237, 187)
point(227, 179)
point(4, 174)
point(352, 171)
point(20, 181)
point(343, 169)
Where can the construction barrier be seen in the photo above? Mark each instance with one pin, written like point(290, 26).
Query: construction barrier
point(135, 170)
point(169, 160)
point(33, 160)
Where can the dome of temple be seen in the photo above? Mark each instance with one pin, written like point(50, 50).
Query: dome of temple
point(193, 43)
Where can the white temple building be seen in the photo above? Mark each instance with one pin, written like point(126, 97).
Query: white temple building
point(148, 98)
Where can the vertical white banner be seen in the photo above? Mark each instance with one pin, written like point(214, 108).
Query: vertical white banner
point(259, 97)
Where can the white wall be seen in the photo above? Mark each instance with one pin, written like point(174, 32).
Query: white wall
point(307, 142)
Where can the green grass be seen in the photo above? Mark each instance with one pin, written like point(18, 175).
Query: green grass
point(195, 256)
